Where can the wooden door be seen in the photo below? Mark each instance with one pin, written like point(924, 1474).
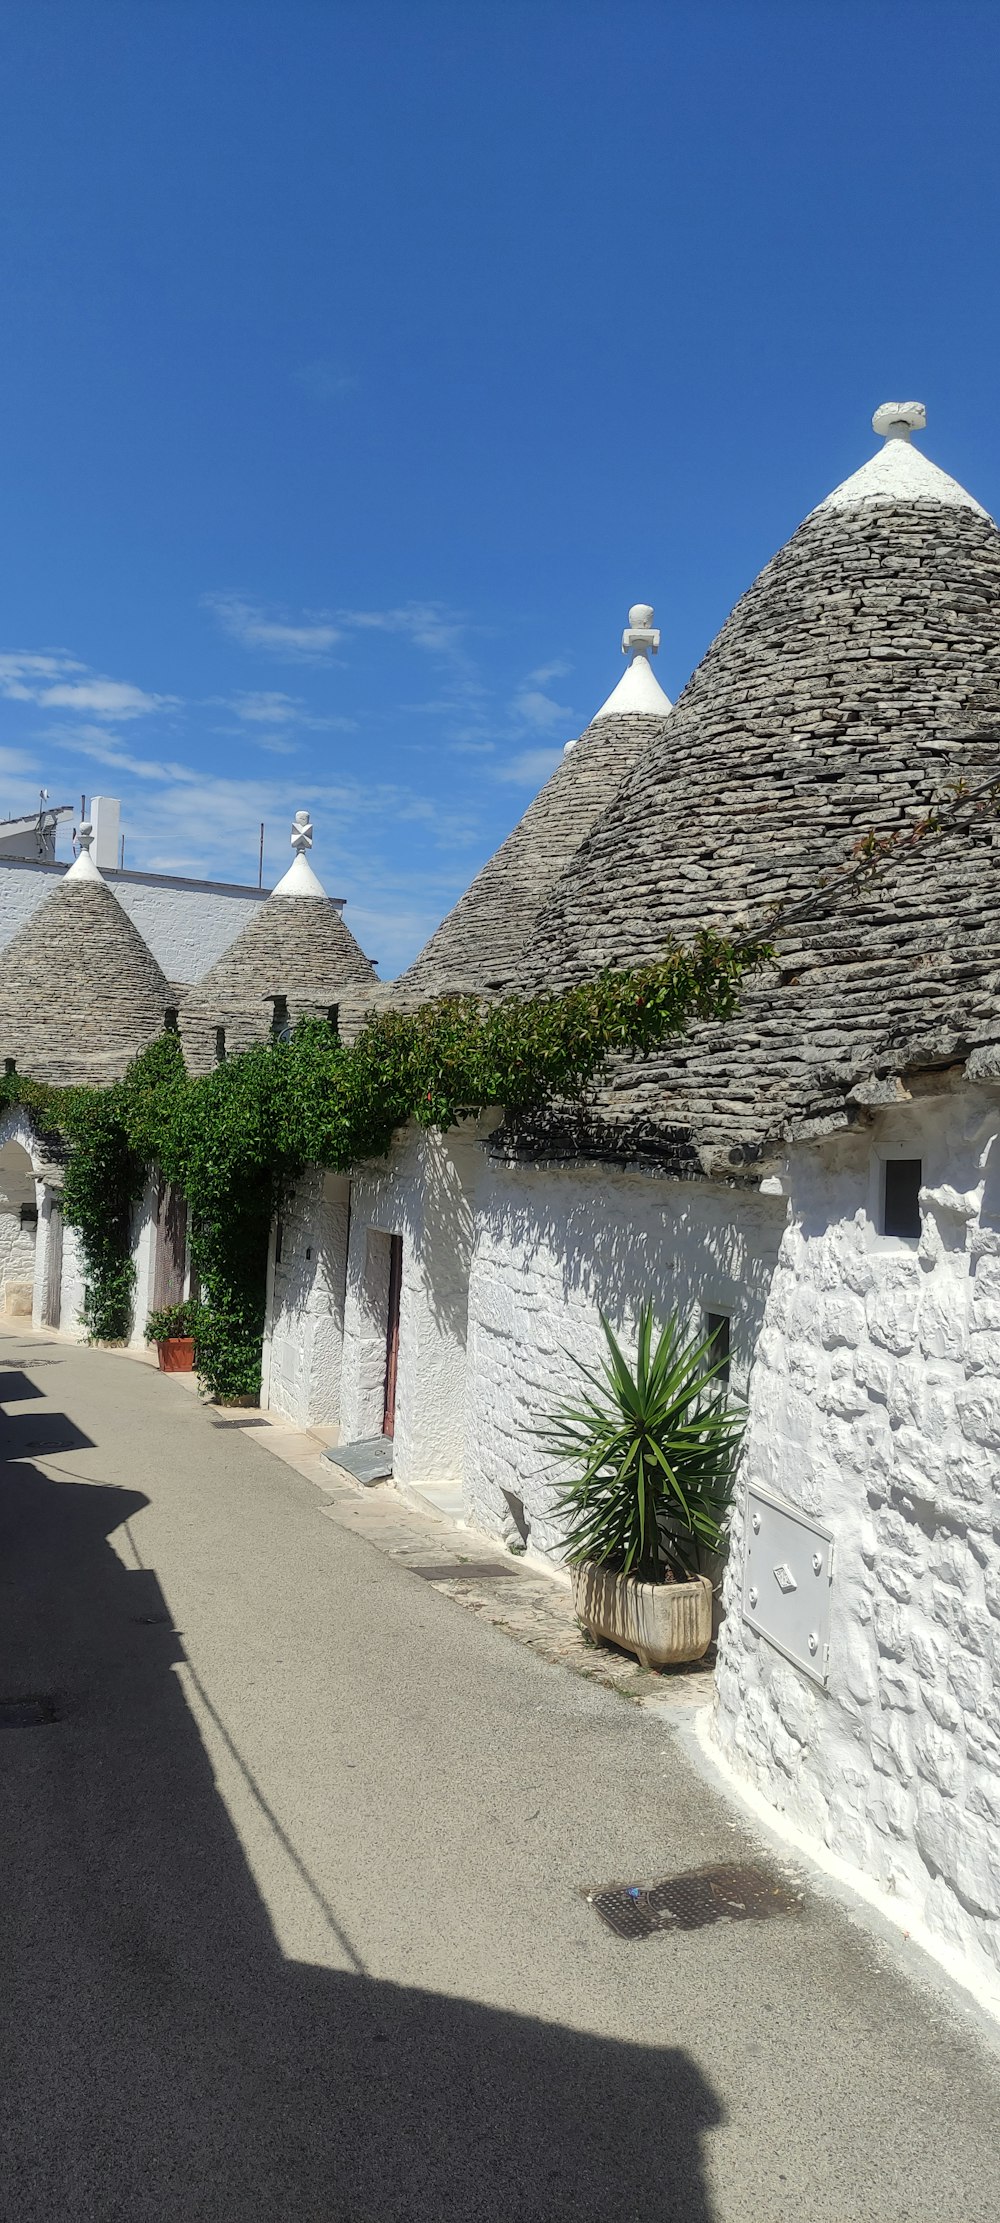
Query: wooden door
point(392, 1333)
point(52, 1299)
point(171, 1246)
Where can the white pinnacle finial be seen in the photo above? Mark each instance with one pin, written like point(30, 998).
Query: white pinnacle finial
point(300, 878)
point(84, 867)
point(638, 694)
point(640, 637)
point(896, 420)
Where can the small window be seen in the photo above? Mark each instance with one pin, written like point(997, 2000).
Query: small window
point(901, 1179)
point(220, 1045)
point(10, 1065)
point(170, 1019)
point(29, 1215)
point(333, 1016)
point(717, 1330)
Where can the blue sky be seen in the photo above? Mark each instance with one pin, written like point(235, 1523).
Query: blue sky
point(359, 366)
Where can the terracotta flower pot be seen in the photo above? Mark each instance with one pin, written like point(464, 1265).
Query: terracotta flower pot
point(177, 1355)
point(663, 1623)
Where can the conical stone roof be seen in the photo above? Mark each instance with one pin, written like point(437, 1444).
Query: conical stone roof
point(297, 946)
point(80, 993)
point(482, 942)
point(856, 680)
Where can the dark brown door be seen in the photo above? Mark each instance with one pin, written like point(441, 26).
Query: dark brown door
point(171, 1245)
point(392, 1333)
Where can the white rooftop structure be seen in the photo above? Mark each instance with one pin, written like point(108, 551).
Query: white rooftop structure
point(898, 472)
point(638, 693)
point(300, 878)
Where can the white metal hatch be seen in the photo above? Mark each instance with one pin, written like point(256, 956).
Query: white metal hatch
point(787, 1573)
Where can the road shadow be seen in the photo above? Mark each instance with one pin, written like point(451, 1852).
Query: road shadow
point(162, 2059)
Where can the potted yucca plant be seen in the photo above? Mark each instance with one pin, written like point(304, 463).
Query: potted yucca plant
point(173, 1329)
point(650, 1452)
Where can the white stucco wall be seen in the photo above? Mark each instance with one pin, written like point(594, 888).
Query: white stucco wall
point(555, 1248)
point(186, 923)
point(875, 1409)
point(17, 1243)
point(426, 1196)
point(305, 1321)
point(144, 1235)
point(71, 1303)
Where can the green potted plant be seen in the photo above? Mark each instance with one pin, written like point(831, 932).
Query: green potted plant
point(173, 1329)
point(651, 1451)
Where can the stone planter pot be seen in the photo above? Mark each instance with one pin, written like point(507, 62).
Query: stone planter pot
point(663, 1623)
point(177, 1355)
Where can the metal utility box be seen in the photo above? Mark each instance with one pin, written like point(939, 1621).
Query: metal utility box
point(787, 1573)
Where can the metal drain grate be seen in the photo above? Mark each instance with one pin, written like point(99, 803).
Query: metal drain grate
point(27, 1713)
point(693, 1901)
point(465, 1570)
point(259, 1420)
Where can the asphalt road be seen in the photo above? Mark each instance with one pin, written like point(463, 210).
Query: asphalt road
point(292, 1912)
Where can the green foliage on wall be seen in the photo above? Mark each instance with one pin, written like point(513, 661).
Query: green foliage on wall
point(234, 1139)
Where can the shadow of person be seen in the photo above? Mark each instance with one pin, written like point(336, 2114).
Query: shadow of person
point(162, 2059)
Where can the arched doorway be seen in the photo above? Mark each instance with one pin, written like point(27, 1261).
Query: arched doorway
point(18, 1229)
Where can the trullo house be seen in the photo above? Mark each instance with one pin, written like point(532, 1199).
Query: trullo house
point(819, 1178)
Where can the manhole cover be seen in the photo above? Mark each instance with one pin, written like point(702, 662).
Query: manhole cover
point(693, 1901)
point(27, 1713)
point(255, 1421)
point(465, 1570)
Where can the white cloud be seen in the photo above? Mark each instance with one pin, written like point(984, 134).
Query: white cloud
point(105, 748)
point(270, 709)
point(426, 623)
point(307, 640)
point(263, 708)
point(325, 381)
point(558, 669)
point(50, 681)
point(530, 769)
point(531, 708)
point(277, 744)
point(15, 764)
point(110, 698)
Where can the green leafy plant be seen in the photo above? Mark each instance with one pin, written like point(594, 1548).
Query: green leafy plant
point(173, 1320)
point(651, 1451)
point(234, 1140)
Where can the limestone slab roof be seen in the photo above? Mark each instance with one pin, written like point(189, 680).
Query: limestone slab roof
point(482, 943)
point(296, 946)
point(80, 993)
point(856, 680)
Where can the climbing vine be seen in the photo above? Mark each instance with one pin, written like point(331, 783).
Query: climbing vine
point(234, 1140)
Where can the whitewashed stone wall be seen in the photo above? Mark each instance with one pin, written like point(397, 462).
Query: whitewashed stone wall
point(73, 1285)
point(555, 1248)
point(303, 1346)
point(17, 1243)
point(143, 1238)
point(875, 1409)
point(426, 1195)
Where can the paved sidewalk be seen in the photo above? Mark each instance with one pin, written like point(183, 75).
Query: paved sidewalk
point(529, 1603)
point(295, 1864)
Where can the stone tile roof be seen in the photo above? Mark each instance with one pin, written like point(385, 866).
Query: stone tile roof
point(295, 946)
point(858, 676)
point(482, 942)
point(80, 993)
